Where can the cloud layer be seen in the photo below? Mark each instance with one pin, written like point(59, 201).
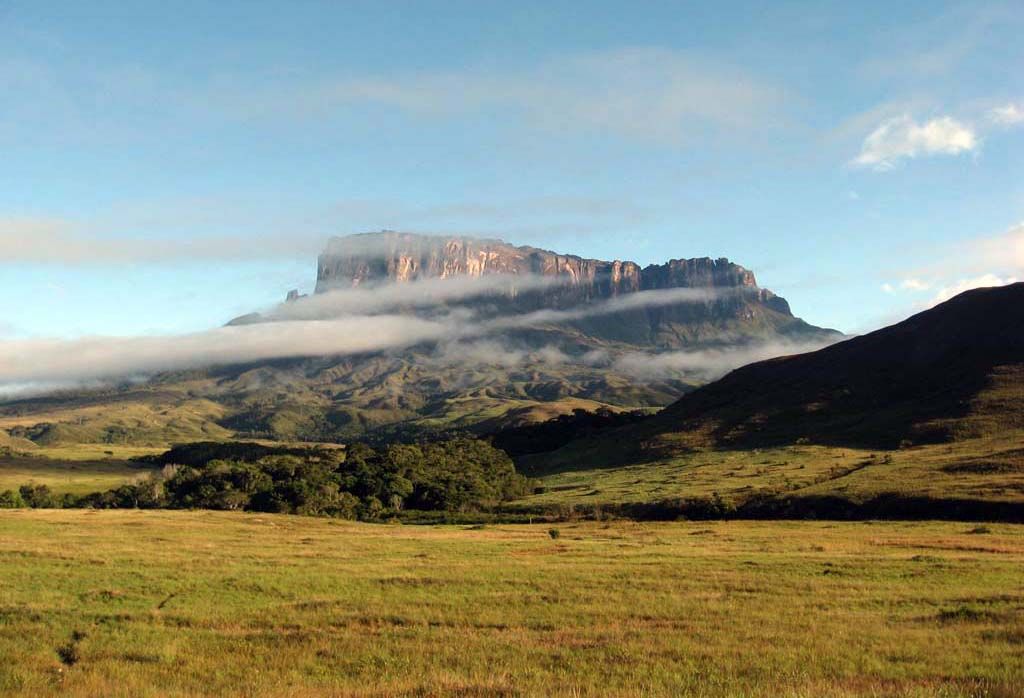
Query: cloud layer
point(55, 241)
point(341, 322)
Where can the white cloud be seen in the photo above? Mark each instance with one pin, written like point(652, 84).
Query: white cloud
point(425, 293)
point(915, 285)
point(902, 137)
point(349, 330)
point(996, 260)
point(1007, 115)
point(698, 364)
point(706, 364)
point(45, 361)
point(958, 287)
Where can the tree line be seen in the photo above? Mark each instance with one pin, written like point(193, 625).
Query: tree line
point(360, 482)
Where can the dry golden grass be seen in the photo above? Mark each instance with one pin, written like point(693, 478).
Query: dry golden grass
point(202, 603)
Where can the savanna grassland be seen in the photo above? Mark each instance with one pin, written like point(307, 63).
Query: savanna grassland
point(68, 475)
point(139, 603)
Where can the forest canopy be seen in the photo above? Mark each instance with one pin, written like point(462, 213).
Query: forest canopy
point(359, 482)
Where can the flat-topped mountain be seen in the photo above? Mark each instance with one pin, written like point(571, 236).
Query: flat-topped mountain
point(385, 257)
point(534, 334)
point(726, 308)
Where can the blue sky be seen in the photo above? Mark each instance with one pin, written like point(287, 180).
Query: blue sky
point(165, 168)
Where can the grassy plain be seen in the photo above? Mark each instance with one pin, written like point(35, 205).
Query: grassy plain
point(206, 603)
point(983, 469)
point(68, 475)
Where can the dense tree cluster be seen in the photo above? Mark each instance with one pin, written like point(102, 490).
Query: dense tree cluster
point(555, 433)
point(360, 482)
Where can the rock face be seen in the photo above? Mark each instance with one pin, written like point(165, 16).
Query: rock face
point(384, 257)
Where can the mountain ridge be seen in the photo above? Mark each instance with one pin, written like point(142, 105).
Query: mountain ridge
point(390, 256)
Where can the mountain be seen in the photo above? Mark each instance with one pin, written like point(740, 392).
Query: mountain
point(733, 310)
point(539, 334)
point(952, 373)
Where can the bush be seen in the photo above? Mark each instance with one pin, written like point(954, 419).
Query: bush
point(10, 499)
point(37, 496)
point(554, 533)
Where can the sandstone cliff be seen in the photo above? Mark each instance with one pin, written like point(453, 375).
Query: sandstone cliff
point(388, 257)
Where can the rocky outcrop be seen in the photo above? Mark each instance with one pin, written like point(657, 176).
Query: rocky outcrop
point(735, 310)
point(388, 256)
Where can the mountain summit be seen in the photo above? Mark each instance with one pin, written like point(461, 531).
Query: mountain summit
point(732, 308)
point(388, 256)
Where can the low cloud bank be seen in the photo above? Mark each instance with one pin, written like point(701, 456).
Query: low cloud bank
point(630, 301)
point(73, 362)
point(705, 364)
point(433, 293)
point(416, 294)
point(698, 364)
point(332, 324)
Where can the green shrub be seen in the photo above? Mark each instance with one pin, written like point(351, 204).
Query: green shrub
point(9, 499)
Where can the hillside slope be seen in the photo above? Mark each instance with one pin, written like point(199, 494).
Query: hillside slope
point(951, 373)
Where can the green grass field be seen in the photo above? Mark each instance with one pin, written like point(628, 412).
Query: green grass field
point(64, 474)
point(984, 469)
point(139, 603)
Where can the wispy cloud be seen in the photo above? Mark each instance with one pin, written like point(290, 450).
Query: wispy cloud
point(915, 285)
point(350, 329)
point(642, 93)
point(243, 228)
point(902, 138)
point(426, 293)
point(630, 301)
point(109, 358)
point(648, 367)
point(995, 260)
point(705, 364)
point(56, 241)
point(1007, 115)
point(961, 285)
point(940, 45)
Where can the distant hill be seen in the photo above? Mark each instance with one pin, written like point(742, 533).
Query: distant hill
point(564, 333)
point(951, 373)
